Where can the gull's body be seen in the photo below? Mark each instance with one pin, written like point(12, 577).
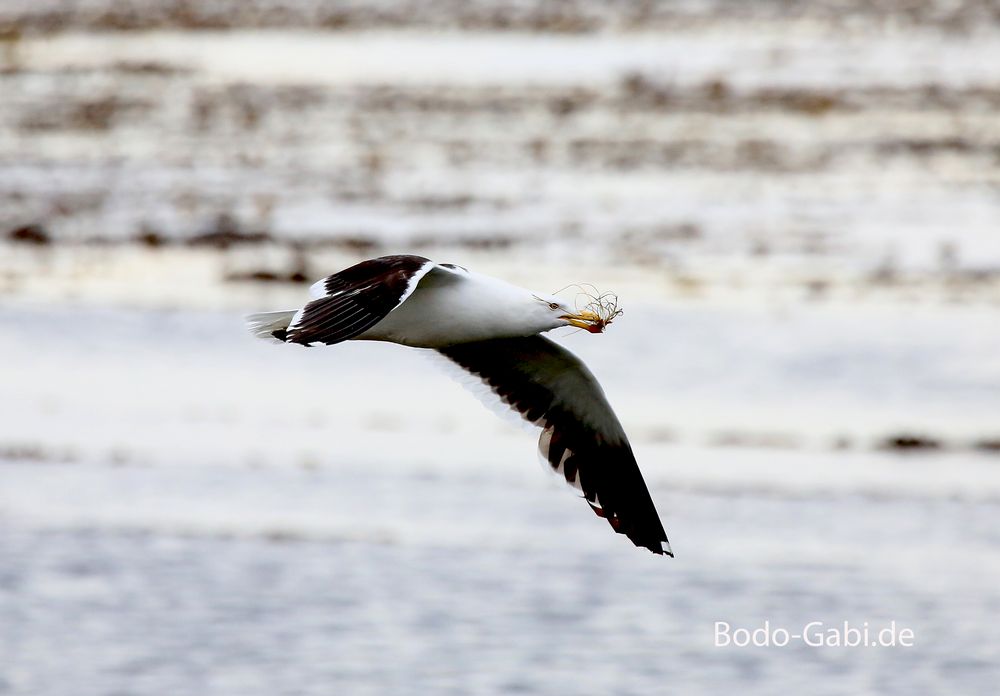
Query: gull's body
point(490, 329)
point(466, 306)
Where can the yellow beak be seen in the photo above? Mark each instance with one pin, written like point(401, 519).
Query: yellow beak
point(585, 320)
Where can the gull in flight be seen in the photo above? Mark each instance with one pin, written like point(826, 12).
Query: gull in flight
point(492, 330)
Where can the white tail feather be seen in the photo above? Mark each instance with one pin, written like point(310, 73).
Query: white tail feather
point(264, 324)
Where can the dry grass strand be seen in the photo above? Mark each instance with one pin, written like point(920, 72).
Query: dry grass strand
point(603, 304)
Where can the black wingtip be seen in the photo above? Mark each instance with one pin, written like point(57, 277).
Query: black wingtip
point(661, 551)
point(661, 548)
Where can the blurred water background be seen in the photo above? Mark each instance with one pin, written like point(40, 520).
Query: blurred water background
point(798, 205)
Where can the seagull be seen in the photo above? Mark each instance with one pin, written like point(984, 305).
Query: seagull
point(492, 330)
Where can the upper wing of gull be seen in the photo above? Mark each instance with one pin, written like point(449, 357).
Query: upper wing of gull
point(352, 301)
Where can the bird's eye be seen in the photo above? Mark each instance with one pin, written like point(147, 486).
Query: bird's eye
point(553, 305)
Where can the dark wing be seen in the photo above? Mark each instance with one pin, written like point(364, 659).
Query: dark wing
point(354, 300)
point(581, 437)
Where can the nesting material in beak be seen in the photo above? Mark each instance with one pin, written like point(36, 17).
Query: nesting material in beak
point(600, 311)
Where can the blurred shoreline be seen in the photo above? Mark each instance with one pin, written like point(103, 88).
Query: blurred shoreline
point(670, 148)
point(224, 269)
